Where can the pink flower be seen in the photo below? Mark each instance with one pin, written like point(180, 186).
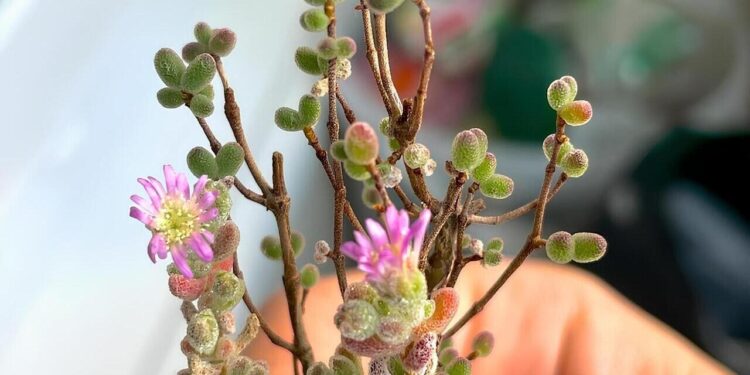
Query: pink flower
point(389, 248)
point(177, 219)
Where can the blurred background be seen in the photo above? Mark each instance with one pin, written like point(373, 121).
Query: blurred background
point(669, 81)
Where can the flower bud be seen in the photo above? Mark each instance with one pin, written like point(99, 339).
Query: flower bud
point(486, 168)
point(356, 319)
point(467, 151)
point(169, 67)
point(319, 368)
point(575, 163)
point(476, 246)
point(170, 97)
point(322, 249)
point(416, 155)
point(229, 159)
point(343, 365)
point(226, 292)
point(559, 94)
point(589, 247)
point(198, 73)
point(227, 241)
point(576, 113)
point(309, 276)
point(314, 20)
point(222, 42)
point(361, 144)
point(202, 33)
point(483, 344)
point(560, 247)
point(460, 366)
point(298, 243)
point(549, 145)
point(497, 186)
point(429, 168)
point(338, 150)
point(390, 174)
point(307, 61)
point(346, 47)
point(383, 6)
point(191, 50)
point(186, 289)
point(201, 106)
point(203, 332)
point(328, 48)
point(270, 246)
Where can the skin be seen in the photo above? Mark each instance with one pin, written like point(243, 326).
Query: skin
point(547, 319)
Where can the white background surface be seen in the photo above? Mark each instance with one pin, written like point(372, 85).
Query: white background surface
point(80, 122)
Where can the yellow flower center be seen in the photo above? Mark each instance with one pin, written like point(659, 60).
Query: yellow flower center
point(177, 220)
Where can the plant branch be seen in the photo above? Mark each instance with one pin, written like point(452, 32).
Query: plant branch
point(462, 223)
point(532, 242)
point(215, 147)
point(381, 46)
point(446, 210)
point(339, 198)
point(232, 112)
point(372, 57)
point(280, 204)
point(275, 338)
point(520, 211)
point(429, 60)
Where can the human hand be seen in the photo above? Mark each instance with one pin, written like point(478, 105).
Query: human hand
point(546, 319)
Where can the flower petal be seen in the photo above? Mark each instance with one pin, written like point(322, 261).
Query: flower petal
point(208, 236)
point(207, 200)
point(200, 186)
point(138, 214)
point(419, 227)
point(143, 204)
point(157, 186)
point(178, 256)
point(157, 246)
point(201, 247)
point(151, 191)
point(182, 186)
point(170, 177)
point(363, 241)
point(209, 215)
point(352, 250)
point(377, 234)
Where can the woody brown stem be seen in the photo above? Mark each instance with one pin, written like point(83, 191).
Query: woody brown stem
point(533, 241)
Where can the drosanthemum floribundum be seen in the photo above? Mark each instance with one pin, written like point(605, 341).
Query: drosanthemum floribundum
point(391, 248)
point(176, 218)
